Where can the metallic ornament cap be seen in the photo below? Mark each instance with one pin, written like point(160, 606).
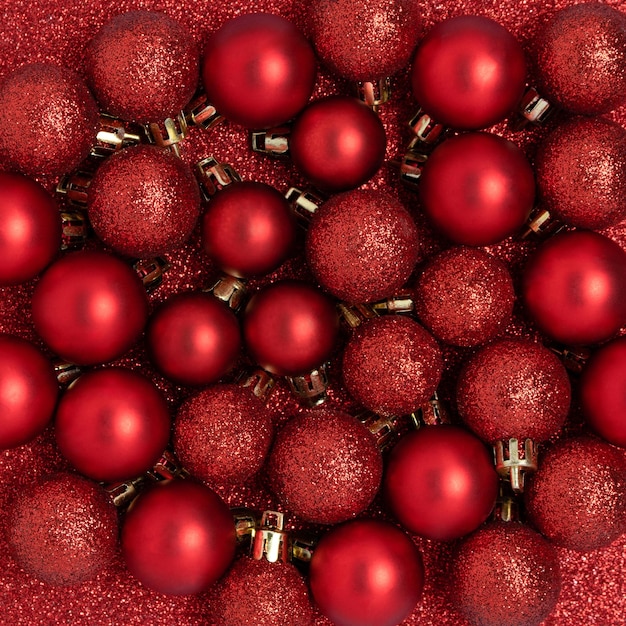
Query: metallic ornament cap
point(532, 109)
point(170, 133)
point(270, 542)
point(215, 176)
point(514, 459)
point(115, 135)
point(374, 93)
point(426, 129)
point(201, 112)
point(151, 271)
point(273, 142)
point(74, 230)
point(384, 428)
point(230, 290)
point(310, 388)
point(541, 224)
point(303, 203)
point(430, 414)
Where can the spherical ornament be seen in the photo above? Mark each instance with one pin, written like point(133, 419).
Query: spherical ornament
point(62, 530)
point(362, 245)
point(223, 434)
point(505, 573)
point(89, 307)
point(469, 72)
point(290, 328)
point(248, 229)
point(143, 66)
point(325, 466)
point(52, 117)
point(178, 538)
point(581, 58)
point(337, 143)
point(143, 201)
point(477, 188)
point(194, 339)
point(258, 70)
point(572, 287)
point(514, 388)
point(366, 572)
point(392, 365)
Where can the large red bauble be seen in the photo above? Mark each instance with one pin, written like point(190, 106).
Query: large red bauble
point(573, 287)
point(337, 143)
point(258, 70)
point(469, 72)
point(440, 482)
point(477, 188)
point(178, 538)
point(89, 307)
point(366, 572)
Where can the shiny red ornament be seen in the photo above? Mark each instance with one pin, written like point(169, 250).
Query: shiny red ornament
point(337, 143)
point(178, 538)
point(258, 70)
point(573, 287)
point(477, 188)
point(469, 72)
point(366, 573)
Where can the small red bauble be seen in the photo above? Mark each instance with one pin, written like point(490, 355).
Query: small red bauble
point(143, 66)
point(337, 143)
point(469, 72)
point(258, 70)
point(143, 201)
point(573, 287)
point(477, 188)
point(178, 538)
point(89, 307)
point(248, 229)
point(366, 573)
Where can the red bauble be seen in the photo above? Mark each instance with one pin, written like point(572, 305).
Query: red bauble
point(290, 328)
point(573, 287)
point(505, 573)
point(362, 245)
point(52, 119)
point(392, 365)
point(143, 201)
point(337, 143)
point(143, 66)
point(194, 339)
point(62, 530)
point(89, 307)
point(514, 388)
point(477, 188)
point(178, 538)
point(366, 572)
point(258, 70)
point(248, 229)
point(469, 72)
point(325, 466)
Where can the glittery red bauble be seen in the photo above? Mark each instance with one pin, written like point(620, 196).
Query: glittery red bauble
point(366, 572)
point(514, 388)
point(337, 143)
point(392, 365)
point(248, 229)
point(581, 58)
point(62, 530)
point(573, 287)
point(258, 70)
point(362, 245)
point(505, 573)
point(325, 466)
point(50, 119)
point(223, 434)
point(469, 72)
point(89, 307)
point(194, 339)
point(178, 537)
point(477, 188)
point(143, 201)
point(290, 328)
point(143, 66)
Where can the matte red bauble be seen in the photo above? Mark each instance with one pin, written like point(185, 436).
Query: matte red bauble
point(573, 287)
point(178, 538)
point(258, 70)
point(477, 188)
point(366, 573)
point(469, 72)
point(248, 229)
point(89, 307)
point(337, 143)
